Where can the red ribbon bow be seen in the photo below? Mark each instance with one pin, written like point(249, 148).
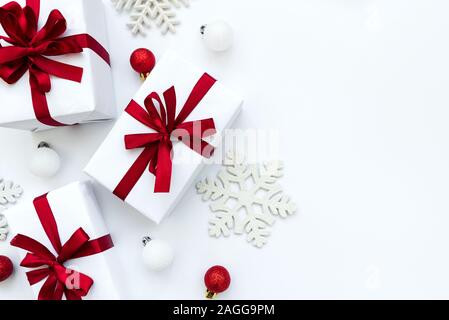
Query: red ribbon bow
point(158, 146)
point(59, 279)
point(28, 49)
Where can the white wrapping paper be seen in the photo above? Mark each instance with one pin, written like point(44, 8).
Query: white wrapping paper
point(111, 162)
point(69, 102)
point(73, 206)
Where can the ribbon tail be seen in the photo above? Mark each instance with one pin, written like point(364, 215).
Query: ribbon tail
point(59, 291)
point(12, 72)
point(12, 53)
point(198, 129)
point(200, 146)
point(199, 91)
point(32, 260)
point(88, 42)
point(133, 175)
point(59, 69)
point(26, 243)
point(95, 246)
point(73, 280)
point(36, 276)
point(48, 290)
point(192, 134)
point(136, 141)
point(164, 168)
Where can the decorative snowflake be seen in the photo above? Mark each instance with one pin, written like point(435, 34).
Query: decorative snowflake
point(4, 230)
point(9, 193)
point(144, 13)
point(250, 191)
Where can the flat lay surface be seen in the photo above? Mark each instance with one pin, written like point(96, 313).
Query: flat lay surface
point(357, 92)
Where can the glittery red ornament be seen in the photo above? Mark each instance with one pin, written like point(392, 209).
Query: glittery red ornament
point(217, 280)
point(6, 268)
point(143, 61)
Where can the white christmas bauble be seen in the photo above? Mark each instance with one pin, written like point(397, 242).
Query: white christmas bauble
point(45, 162)
point(157, 255)
point(218, 36)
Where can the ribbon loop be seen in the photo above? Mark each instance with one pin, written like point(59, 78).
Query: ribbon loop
point(55, 26)
point(27, 49)
point(59, 279)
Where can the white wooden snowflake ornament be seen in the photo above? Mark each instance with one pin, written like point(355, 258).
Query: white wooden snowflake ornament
point(145, 13)
point(4, 230)
point(9, 193)
point(246, 199)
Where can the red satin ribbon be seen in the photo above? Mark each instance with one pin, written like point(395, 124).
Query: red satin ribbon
point(157, 147)
point(59, 280)
point(28, 49)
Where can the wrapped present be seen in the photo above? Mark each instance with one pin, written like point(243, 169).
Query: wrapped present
point(54, 63)
point(64, 246)
point(159, 144)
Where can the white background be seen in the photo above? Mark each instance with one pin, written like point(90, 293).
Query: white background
point(359, 92)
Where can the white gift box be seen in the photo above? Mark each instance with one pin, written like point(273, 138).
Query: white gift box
point(69, 102)
point(112, 161)
point(74, 206)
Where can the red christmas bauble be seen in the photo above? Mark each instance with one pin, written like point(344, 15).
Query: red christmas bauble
point(6, 268)
point(217, 279)
point(143, 61)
